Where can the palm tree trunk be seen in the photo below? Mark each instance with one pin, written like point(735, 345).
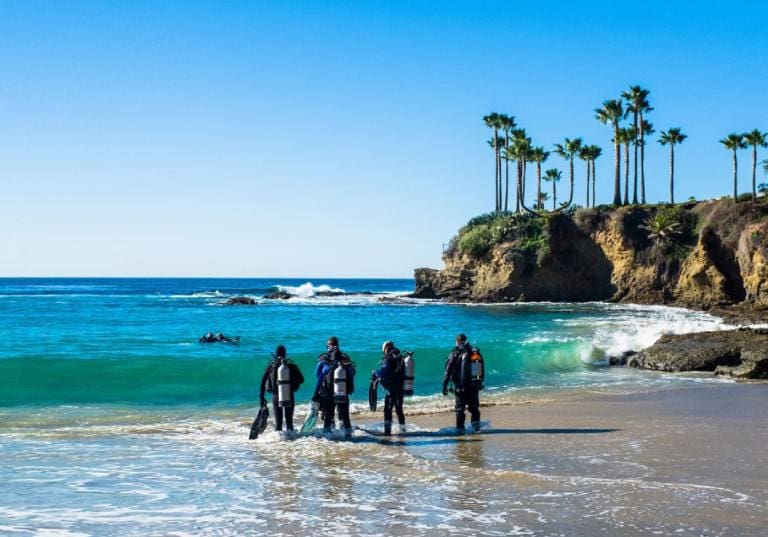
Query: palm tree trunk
point(587, 205)
point(754, 172)
point(539, 203)
point(506, 173)
point(735, 177)
point(626, 173)
point(642, 161)
point(638, 128)
point(570, 195)
point(594, 165)
point(554, 195)
point(672, 173)
point(617, 165)
point(517, 187)
point(522, 188)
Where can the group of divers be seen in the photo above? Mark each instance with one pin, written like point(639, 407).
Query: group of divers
point(335, 382)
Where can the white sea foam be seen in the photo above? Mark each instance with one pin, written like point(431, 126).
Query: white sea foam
point(308, 289)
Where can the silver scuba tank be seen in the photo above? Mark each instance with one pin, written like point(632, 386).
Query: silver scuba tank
point(340, 384)
point(284, 385)
point(409, 367)
point(476, 369)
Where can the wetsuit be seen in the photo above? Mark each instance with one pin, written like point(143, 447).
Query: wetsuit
point(329, 406)
point(467, 396)
point(391, 376)
point(269, 383)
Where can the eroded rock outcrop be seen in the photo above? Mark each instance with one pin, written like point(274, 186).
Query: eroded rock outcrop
point(721, 260)
point(741, 353)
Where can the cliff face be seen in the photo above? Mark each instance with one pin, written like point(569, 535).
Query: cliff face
point(719, 256)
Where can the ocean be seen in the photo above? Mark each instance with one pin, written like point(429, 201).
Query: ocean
point(114, 420)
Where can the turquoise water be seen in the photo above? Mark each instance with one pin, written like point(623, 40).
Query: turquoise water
point(114, 420)
point(134, 341)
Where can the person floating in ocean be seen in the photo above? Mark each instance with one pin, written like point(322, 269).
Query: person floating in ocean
point(281, 378)
point(466, 371)
point(391, 375)
point(218, 338)
point(335, 374)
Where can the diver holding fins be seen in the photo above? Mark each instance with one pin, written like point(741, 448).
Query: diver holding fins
point(465, 369)
point(335, 373)
point(395, 374)
point(282, 378)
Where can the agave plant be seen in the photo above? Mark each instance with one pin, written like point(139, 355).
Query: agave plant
point(662, 228)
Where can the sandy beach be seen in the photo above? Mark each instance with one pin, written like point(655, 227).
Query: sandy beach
point(684, 461)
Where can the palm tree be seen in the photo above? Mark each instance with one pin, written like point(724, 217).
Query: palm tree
point(543, 196)
point(553, 176)
point(627, 136)
point(507, 123)
point(734, 142)
point(493, 121)
point(637, 105)
point(755, 139)
point(523, 149)
point(672, 137)
point(538, 155)
point(595, 152)
point(584, 154)
point(569, 150)
point(611, 112)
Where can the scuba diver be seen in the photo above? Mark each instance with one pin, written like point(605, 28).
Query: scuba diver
point(335, 374)
point(281, 378)
point(218, 338)
point(391, 375)
point(466, 371)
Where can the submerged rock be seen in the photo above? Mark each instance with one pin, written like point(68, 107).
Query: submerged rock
point(278, 295)
point(741, 353)
point(240, 301)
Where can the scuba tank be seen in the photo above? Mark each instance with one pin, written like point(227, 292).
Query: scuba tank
point(471, 369)
point(340, 384)
point(409, 369)
point(284, 384)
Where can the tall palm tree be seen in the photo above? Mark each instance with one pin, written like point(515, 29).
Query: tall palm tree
point(523, 148)
point(627, 136)
point(539, 155)
point(585, 155)
point(595, 152)
point(493, 121)
point(672, 137)
point(507, 123)
point(755, 139)
point(734, 142)
point(569, 150)
point(553, 176)
point(637, 106)
point(611, 113)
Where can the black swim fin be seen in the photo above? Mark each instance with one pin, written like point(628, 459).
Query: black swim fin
point(373, 394)
point(259, 424)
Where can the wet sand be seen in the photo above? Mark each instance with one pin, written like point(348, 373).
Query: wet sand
point(687, 461)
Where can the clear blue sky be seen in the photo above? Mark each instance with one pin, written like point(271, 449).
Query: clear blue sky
point(330, 138)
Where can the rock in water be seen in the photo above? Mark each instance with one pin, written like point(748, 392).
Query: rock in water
point(240, 301)
point(741, 353)
point(278, 295)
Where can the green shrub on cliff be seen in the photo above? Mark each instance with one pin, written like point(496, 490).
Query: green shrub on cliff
point(526, 233)
point(477, 241)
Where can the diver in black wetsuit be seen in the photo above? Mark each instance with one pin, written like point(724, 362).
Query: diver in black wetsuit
point(282, 389)
point(466, 381)
point(391, 374)
point(331, 394)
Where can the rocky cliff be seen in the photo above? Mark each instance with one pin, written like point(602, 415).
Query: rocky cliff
point(702, 255)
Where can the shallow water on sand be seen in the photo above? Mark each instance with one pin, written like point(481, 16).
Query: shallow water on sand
point(114, 421)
